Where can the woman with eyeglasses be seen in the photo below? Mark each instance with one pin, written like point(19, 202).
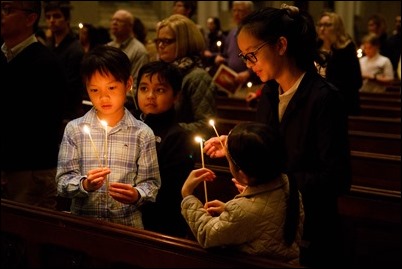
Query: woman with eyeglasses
point(309, 113)
point(266, 218)
point(180, 42)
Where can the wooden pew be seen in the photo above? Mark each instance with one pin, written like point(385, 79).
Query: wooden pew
point(369, 170)
point(241, 112)
point(380, 101)
point(356, 123)
point(375, 142)
point(359, 140)
point(380, 111)
point(33, 237)
point(375, 124)
point(387, 94)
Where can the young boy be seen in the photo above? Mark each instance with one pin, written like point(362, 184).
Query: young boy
point(158, 87)
point(266, 218)
point(107, 160)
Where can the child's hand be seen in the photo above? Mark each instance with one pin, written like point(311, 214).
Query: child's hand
point(95, 179)
point(123, 193)
point(215, 207)
point(194, 178)
point(213, 146)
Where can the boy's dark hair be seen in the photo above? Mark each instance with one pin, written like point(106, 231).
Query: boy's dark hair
point(106, 60)
point(256, 150)
point(64, 7)
point(167, 72)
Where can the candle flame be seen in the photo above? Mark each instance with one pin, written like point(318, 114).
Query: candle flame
point(86, 129)
point(104, 123)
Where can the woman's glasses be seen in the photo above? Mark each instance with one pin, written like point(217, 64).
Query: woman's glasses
point(251, 56)
point(164, 41)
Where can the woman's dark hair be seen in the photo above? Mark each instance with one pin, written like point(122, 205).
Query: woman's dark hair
point(167, 72)
point(255, 149)
point(106, 59)
point(269, 24)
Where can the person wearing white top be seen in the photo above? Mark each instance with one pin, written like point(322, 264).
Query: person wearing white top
point(376, 69)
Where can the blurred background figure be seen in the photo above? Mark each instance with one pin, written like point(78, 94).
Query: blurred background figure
point(29, 147)
point(91, 37)
point(214, 42)
point(141, 33)
point(121, 28)
point(376, 24)
point(180, 42)
point(188, 9)
point(342, 66)
point(376, 69)
point(393, 45)
point(230, 54)
point(66, 45)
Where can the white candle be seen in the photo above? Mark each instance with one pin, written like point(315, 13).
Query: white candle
point(105, 156)
point(212, 123)
point(199, 140)
point(88, 131)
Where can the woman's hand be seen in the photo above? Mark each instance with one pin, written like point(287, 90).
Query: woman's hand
point(213, 146)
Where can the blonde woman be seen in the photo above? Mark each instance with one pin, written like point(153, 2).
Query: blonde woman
point(180, 42)
point(342, 65)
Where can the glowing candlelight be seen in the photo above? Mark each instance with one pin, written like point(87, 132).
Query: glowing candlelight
point(199, 140)
point(104, 124)
point(212, 123)
point(88, 131)
point(219, 44)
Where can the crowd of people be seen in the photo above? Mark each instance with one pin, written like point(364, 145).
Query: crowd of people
point(131, 158)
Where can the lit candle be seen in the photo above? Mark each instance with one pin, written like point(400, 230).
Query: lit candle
point(199, 140)
point(104, 124)
point(212, 123)
point(219, 44)
point(88, 131)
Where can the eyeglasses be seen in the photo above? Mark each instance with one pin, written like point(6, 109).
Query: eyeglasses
point(8, 10)
point(251, 56)
point(164, 41)
point(325, 25)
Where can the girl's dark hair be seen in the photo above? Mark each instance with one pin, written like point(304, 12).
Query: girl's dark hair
point(255, 148)
point(106, 59)
point(167, 72)
point(269, 24)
